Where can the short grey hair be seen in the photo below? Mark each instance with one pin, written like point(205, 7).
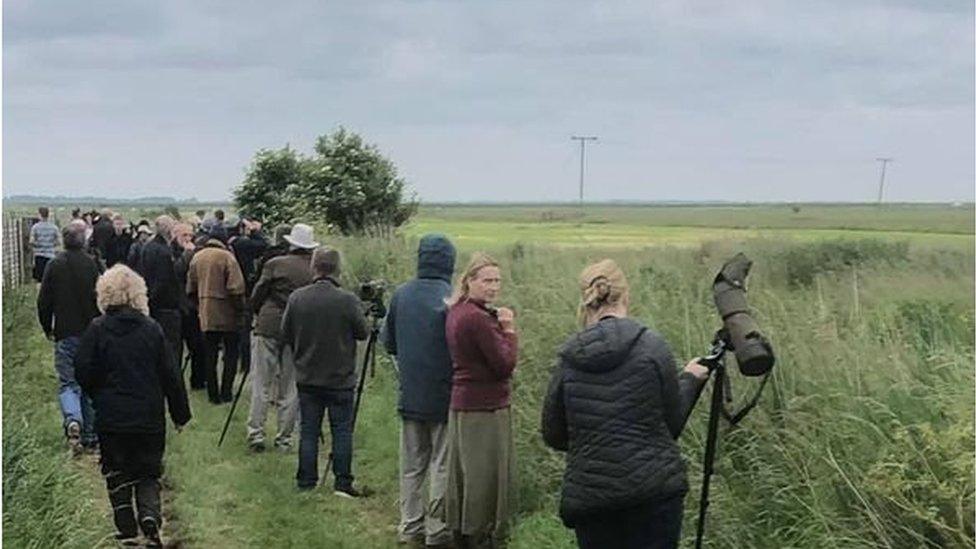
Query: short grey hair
point(325, 261)
point(74, 234)
point(164, 226)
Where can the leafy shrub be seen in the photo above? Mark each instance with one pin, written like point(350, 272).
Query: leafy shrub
point(802, 263)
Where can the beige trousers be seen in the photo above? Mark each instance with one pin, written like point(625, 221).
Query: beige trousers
point(272, 383)
point(423, 455)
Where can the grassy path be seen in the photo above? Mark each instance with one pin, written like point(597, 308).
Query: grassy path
point(228, 497)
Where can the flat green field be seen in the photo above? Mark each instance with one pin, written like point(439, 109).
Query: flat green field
point(641, 226)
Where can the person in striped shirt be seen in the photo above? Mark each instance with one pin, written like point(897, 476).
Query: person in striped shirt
point(45, 239)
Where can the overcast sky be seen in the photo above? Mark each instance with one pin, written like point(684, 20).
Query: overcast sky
point(741, 100)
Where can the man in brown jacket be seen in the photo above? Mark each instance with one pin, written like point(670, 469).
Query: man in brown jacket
point(215, 281)
point(271, 361)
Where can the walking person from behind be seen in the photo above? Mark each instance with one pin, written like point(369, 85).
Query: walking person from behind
point(414, 334)
point(322, 323)
point(189, 317)
point(273, 367)
point(215, 282)
point(44, 240)
point(616, 404)
point(158, 269)
point(481, 453)
point(65, 306)
point(124, 363)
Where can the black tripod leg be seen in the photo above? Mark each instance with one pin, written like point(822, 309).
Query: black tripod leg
point(370, 350)
point(711, 444)
point(233, 406)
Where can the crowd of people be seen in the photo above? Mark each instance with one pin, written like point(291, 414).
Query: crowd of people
point(122, 305)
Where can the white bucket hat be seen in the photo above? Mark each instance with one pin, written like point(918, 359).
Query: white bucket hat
point(301, 237)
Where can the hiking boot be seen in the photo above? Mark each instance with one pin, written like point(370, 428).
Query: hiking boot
point(283, 446)
point(350, 492)
point(73, 434)
point(415, 540)
point(150, 529)
point(125, 540)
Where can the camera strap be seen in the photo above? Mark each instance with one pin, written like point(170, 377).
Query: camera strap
point(735, 418)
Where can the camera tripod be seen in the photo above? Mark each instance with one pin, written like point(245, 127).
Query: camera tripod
point(369, 360)
point(721, 398)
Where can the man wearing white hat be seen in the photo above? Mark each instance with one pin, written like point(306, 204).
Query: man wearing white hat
point(271, 360)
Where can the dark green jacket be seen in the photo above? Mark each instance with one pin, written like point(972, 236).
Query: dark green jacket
point(322, 323)
point(279, 278)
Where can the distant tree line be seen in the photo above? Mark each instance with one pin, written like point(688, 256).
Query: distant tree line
point(346, 183)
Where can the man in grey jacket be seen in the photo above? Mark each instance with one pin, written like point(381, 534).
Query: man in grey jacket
point(321, 324)
point(414, 335)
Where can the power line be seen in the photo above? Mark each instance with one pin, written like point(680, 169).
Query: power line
point(884, 165)
point(582, 141)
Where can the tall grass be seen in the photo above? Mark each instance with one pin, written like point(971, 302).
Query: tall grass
point(49, 500)
point(863, 438)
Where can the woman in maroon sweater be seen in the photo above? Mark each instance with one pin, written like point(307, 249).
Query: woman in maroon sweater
point(480, 451)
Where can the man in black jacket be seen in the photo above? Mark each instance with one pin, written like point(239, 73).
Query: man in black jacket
point(65, 307)
point(247, 248)
point(159, 271)
point(321, 323)
point(123, 362)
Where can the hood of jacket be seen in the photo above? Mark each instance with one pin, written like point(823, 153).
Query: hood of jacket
point(122, 321)
point(603, 346)
point(435, 257)
point(215, 242)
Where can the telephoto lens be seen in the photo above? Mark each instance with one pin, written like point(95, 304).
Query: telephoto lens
point(753, 353)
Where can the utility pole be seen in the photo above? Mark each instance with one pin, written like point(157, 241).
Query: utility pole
point(582, 140)
point(884, 166)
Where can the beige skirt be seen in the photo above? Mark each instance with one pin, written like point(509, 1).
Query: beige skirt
point(481, 471)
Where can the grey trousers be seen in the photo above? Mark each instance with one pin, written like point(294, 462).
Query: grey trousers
point(423, 454)
point(272, 383)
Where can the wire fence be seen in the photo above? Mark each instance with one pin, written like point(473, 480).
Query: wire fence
point(16, 254)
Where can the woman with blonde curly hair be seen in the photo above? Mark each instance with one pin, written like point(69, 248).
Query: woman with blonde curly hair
point(480, 452)
point(123, 362)
point(616, 404)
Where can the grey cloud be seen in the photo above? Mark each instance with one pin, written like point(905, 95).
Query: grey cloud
point(750, 84)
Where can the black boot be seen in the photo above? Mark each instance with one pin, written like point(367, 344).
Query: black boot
point(120, 490)
point(150, 516)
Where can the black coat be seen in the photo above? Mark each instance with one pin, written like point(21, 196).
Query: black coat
point(247, 250)
point(322, 323)
point(123, 362)
point(66, 301)
point(159, 270)
point(102, 233)
point(118, 248)
point(616, 404)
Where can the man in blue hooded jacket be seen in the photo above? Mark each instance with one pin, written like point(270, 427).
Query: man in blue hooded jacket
point(414, 335)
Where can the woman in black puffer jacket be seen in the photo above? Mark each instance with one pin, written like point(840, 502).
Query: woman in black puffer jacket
point(616, 404)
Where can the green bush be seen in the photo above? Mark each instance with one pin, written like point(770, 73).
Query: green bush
point(803, 262)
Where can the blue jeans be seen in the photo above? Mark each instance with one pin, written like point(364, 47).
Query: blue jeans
point(75, 405)
point(313, 401)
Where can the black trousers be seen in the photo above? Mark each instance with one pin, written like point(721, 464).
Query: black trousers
point(213, 342)
point(245, 340)
point(647, 526)
point(132, 464)
point(40, 262)
point(169, 321)
point(193, 338)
